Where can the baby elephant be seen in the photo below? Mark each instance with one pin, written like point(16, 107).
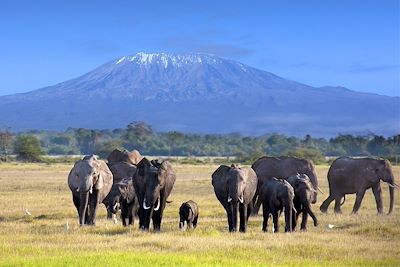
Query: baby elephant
point(303, 191)
point(277, 195)
point(189, 213)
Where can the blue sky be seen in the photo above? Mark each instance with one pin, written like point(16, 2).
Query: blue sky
point(349, 43)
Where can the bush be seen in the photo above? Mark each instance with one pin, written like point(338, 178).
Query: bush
point(27, 148)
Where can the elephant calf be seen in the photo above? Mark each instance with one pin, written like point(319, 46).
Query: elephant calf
point(129, 203)
point(277, 195)
point(189, 213)
point(303, 190)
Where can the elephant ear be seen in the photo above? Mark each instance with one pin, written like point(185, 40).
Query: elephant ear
point(251, 183)
point(168, 174)
point(105, 177)
point(219, 182)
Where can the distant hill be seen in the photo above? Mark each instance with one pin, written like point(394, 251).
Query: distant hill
point(198, 93)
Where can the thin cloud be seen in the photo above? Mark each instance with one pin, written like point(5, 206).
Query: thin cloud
point(363, 68)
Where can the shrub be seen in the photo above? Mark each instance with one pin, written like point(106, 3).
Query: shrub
point(27, 148)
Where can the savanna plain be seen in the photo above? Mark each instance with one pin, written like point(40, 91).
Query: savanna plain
point(51, 235)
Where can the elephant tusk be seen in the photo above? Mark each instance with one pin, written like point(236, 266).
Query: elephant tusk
point(229, 199)
point(394, 186)
point(144, 205)
point(77, 190)
point(158, 205)
point(91, 190)
point(241, 198)
point(319, 189)
point(115, 206)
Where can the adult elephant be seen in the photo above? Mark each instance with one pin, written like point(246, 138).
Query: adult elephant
point(153, 183)
point(235, 188)
point(118, 155)
point(123, 172)
point(282, 168)
point(90, 181)
point(349, 175)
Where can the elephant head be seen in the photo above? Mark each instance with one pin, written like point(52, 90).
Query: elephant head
point(234, 185)
point(153, 183)
point(309, 170)
point(185, 214)
point(383, 171)
point(89, 178)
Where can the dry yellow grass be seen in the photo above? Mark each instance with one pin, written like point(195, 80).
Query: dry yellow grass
point(42, 238)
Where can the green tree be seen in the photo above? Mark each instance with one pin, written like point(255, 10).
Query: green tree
point(27, 148)
point(5, 143)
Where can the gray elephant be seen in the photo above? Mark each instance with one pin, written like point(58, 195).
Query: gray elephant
point(354, 176)
point(235, 188)
point(189, 214)
point(129, 203)
point(118, 155)
point(283, 167)
point(121, 171)
point(277, 195)
point(153, 183)
point(90, 181)
point(303, 190)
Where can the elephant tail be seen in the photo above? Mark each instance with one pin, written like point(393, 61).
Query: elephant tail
point(344, 199)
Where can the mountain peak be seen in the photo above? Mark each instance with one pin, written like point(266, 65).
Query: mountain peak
point(166, 59)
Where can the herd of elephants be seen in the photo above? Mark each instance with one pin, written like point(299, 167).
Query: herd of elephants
point(139, 187)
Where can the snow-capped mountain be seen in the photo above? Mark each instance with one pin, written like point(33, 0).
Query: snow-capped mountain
point(198, 93)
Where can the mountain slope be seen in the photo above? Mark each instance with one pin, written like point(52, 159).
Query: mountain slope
point(198, 93)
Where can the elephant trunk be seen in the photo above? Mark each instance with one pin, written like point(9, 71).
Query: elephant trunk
point(84, 200)
point(391, 195)
point(288, 217)
point(234, 215)
point(313, 178)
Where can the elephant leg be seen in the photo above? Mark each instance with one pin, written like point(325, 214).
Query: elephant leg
point(304, 218)
point(338, 198)
point(94, 204)
point(376, 189)
point(275, 217)
point(249, 211)
point(265, 218)
point(324, 206)
point(257, 206)
point(357, 204)
point(243, 217)
point(195, 221)
point(294, 219)
point(309, 211)
point(156, 221)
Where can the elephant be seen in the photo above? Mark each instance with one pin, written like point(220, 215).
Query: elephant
point(283, 167)
point(189, 213)
point(348, 175)
point(235, 188)
point(153, 183)
point(303, 190)
point(129, 203)
point(117, 155)
point(277, 195)
point(121, 171)
point(90, 181)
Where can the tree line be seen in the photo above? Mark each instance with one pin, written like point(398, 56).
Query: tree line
point(30, 145)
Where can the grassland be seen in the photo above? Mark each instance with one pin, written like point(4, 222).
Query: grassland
point(43, 239)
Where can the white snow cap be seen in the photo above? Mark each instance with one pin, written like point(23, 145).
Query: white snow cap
point(167, 59)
